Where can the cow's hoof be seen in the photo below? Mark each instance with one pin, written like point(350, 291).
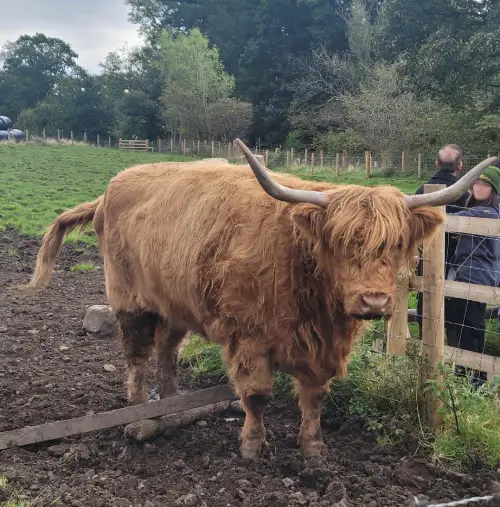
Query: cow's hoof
point(252, 449)
point(313, 449)
point(249, 452)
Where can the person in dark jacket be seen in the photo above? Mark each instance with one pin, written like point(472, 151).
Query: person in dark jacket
point(476, 262)
point(448, 165)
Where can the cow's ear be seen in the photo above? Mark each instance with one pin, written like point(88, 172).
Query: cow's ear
point(310, 220)
point(424, 223)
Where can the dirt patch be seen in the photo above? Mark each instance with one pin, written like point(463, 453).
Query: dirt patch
point(50, 369)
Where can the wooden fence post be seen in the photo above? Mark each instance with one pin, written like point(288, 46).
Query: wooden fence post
point(312, 162)
point(213, 149)
point(58, 136)
point(198, 149)
point(27, 135)
point(183, 146)
point(397, 327)
point(433, 315)
point(266, 158)
point(85, 137)
point(98, 141)
point(322, 159)
point(43, 133)
point(109, 142)
point(71, 136)
point(403, 161)
point(172, 144)
point(291, 157)
point(337, 164)
point(287, 160)
point(305, 156)
point(367, 164)
point(419, 170)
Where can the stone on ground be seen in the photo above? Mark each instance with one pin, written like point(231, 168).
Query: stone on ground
point(99, 319)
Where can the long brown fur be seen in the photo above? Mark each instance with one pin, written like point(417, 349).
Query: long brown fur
point(276, 284)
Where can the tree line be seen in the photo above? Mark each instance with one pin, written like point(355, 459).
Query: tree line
point(380, 75)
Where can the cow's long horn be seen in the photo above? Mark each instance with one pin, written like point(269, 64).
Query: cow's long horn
point(453, 192)
point(278, 191)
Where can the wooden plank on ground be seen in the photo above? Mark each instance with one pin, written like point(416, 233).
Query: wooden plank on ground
point(463, 290)
point(471, 225)
point(60, 429)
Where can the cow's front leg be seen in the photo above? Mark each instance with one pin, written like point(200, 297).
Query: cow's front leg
point(254, 383)
point(311, 404)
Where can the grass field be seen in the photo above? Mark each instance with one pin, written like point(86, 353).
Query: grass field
point(38, 182)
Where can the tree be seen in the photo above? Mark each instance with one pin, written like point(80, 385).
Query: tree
point(132, 87)
point(75, 104)
point(325, 76)
point(228, 24)
point(388, 116)
point(31, 67)
point(195, 83)
point(450, 48)
point(285, 31)
point(228, 118)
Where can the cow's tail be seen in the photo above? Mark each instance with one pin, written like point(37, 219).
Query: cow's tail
point(66, 222)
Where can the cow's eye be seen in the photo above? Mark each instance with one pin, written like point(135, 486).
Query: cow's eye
point(382, 246)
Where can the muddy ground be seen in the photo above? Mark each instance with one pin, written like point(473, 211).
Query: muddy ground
point(50, 369)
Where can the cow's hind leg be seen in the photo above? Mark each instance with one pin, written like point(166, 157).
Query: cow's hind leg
point(311, 399)
point(168, 337)
point(137, 331)
point(254, 384)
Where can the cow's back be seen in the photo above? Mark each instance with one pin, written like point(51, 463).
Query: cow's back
point(171, 237)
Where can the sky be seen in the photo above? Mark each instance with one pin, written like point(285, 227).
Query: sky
point(93, 28)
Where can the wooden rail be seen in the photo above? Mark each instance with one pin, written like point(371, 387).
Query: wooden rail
point(133, 144)
point(434, 289)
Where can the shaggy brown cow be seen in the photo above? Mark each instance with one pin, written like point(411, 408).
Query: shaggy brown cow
point(282, 279)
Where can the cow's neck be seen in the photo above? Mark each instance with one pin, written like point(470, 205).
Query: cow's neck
point(324, 335)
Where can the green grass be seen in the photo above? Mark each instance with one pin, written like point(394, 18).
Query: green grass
point(37, 182)
point(14, 501)
point(84, 266)
point(407, 183)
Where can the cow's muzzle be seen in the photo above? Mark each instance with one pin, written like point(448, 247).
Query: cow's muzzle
point(373, 306)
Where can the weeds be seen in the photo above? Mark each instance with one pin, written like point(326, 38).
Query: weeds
point(470, 436)
point(84, 266)
point(16, 501)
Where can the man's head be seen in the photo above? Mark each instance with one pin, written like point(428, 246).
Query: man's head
point(449, 159)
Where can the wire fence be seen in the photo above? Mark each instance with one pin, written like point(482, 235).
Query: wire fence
point(406, 163)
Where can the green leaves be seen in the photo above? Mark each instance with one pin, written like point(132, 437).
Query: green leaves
point(197, 90)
